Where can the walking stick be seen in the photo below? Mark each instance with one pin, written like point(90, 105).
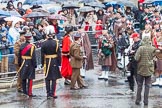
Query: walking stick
point(17, 73)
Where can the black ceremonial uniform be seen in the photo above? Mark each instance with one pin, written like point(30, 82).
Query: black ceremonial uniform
point(27, 63)
point(51, 59)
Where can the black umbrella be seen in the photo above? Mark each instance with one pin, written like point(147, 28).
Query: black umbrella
point(86, 9)
point(70, 5)
point(35, 7)
point(95, 4)
point(41, 10)
point(36, 14)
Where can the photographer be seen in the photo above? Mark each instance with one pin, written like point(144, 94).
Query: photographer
point(35, 33)
point(132, 66)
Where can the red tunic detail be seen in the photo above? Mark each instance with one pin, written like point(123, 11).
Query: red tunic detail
point(66, 69)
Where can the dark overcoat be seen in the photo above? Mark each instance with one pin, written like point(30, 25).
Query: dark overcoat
point(51, 47)
point(28, 68)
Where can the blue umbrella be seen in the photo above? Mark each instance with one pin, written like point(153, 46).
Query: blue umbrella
point(112, 2)
point(157, 2)
point(4, 13)
point(36, 2)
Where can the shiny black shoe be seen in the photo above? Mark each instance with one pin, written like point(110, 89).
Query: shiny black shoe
point(67, 82)
point(137, 103)
point(82, 76)
point(32, 95)
point(146, 104)
point(19, 91)
point(74, 88)
point(55, 97)
point(84, 87)
point(126, 80)
point(49, 97)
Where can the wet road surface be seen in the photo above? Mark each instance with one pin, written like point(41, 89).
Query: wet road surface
point(99, 94)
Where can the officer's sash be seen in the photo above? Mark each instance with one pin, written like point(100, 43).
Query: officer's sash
point(23, 52)
point(26, 49)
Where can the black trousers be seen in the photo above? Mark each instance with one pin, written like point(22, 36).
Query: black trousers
point(133, 73)
point(27, 86)
point(50, 87)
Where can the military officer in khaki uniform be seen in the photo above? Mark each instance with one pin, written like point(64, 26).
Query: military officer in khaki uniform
point(76, 62)
point(16, 52)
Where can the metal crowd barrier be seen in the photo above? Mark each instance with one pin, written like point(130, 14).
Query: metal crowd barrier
point(11, 66)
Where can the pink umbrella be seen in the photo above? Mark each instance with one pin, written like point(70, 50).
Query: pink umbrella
point(57, 17)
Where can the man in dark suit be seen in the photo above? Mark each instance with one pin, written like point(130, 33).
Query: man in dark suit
point(27, 64)
point(51, 59)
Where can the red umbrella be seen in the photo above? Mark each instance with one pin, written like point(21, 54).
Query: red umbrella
point(141, 1)
point(57, 17)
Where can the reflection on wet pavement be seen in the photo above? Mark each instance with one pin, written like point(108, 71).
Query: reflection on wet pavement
point(99, 94)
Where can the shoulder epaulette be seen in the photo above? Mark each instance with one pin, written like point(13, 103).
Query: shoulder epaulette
point(33, 45)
